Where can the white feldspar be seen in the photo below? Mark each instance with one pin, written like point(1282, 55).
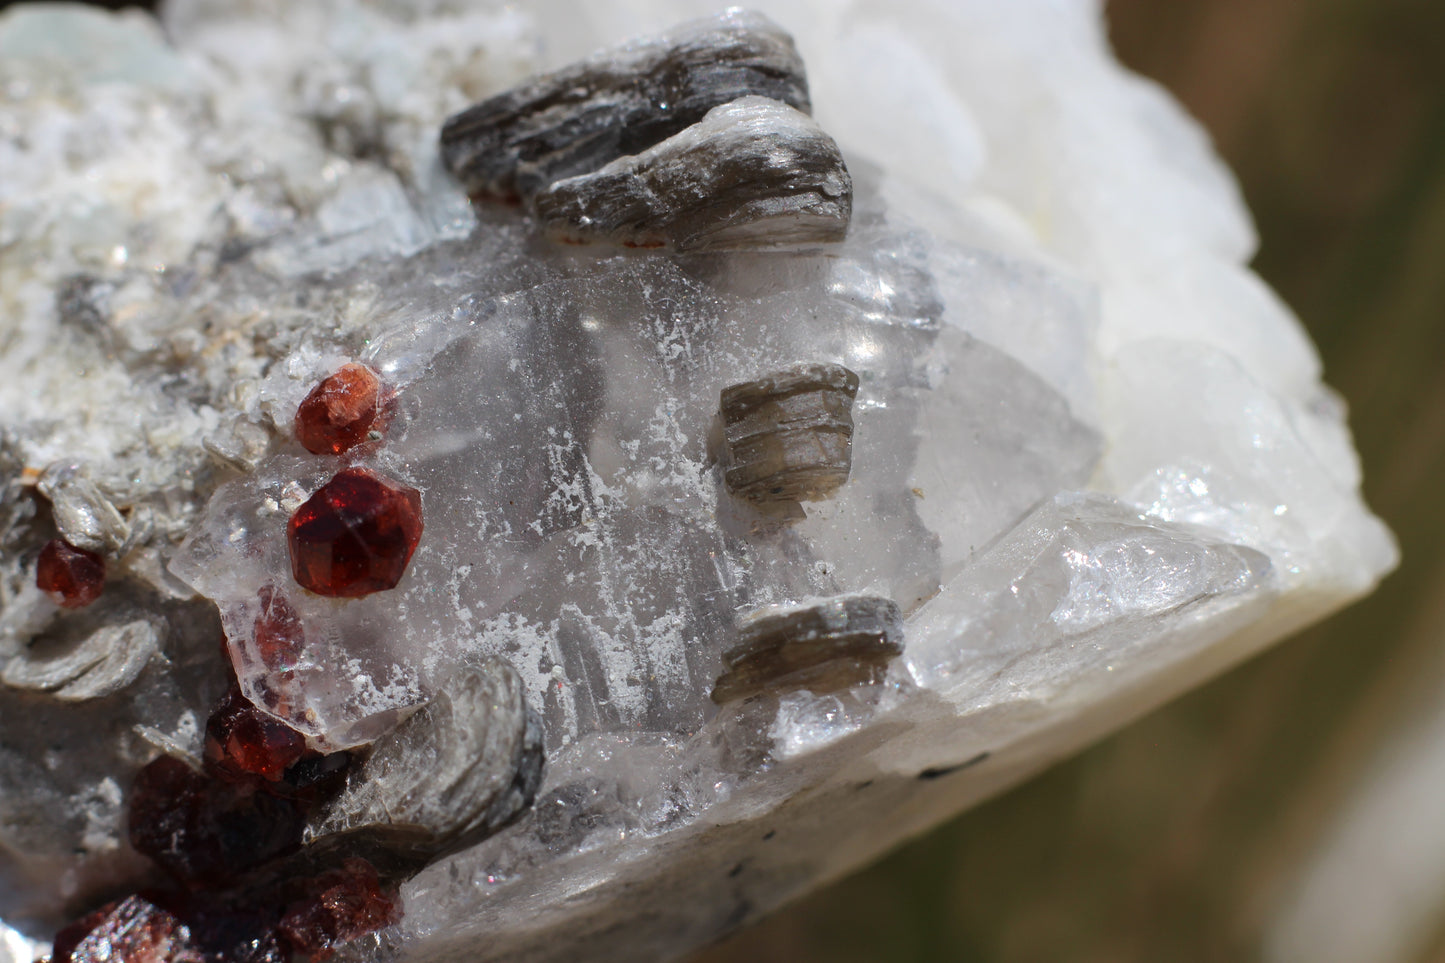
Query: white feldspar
point(1093, 461)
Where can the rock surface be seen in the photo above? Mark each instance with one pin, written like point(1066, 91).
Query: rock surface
point(1092, 462)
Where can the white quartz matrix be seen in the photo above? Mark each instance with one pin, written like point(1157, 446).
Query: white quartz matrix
point(1094, 462)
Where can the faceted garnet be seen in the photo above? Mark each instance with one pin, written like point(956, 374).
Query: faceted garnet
point(354, 536)
point(344, 904)
point(206, 831)
point(343, 411)
point(133, 930)
point(242, 741)
point(71, 576)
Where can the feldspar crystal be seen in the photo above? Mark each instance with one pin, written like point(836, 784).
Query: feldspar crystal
point(1090, 460)
point(355, 535)
point(72, 577)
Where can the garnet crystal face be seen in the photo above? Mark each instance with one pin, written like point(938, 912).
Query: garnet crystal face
point(242, 740)
point(129, 931)
point(354, 536)
point(344, 904)
point(71, 576)
point(203, 831)
point(342, 411)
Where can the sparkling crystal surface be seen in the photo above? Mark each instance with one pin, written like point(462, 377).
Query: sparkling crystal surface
point(1091, 460)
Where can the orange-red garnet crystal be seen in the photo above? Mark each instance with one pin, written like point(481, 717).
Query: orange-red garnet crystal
point(354, 536)
point(72, 577)
point(343, 411)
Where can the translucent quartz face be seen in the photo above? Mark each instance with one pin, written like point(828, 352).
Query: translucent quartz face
point(565, 439)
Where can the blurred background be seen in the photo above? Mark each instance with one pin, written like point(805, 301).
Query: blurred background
point(1293, 810)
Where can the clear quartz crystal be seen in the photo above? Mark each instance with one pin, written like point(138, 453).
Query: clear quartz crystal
point(1092, 462)
point(564, 439)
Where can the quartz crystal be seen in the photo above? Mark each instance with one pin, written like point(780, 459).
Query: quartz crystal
point(501, 611)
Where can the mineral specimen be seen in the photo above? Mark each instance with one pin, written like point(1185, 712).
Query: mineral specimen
point(790, 434)
point(619, 102)
point(103, 662)
point(355, 535)
point(821, 647)
point(1091, 460)
point(86, 519)
point(72, 577)
point(752, 172)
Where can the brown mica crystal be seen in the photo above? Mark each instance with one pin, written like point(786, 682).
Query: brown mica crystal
point(822, 647)
point(343, 410)
point(354, 536)
point(342, 905)
point(72, 577)
point(790, 433)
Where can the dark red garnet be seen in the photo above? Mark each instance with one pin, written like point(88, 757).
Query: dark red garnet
point(279, 633)
point(342, 905)
point(354, 536)
point(206, 831)
point(71, 576)
point(342, 411)
point(174, 928)
point(243, 741)
point(132, 930)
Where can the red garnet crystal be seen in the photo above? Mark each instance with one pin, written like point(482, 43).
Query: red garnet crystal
point(344, 904)
point(342, 411)
point(280, 636)
point(354, 536)
point(132, 930)
point(242, 741)
point(71, 576)
point(206, 831)
point(179, 929)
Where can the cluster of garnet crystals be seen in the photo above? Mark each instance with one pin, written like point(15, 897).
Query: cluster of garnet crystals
point(229, 834)
point(223, 835)
point(357, 533)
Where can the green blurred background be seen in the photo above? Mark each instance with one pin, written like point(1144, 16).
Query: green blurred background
point(1187, 836)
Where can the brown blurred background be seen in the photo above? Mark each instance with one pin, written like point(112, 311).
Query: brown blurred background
point(1192, 834)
